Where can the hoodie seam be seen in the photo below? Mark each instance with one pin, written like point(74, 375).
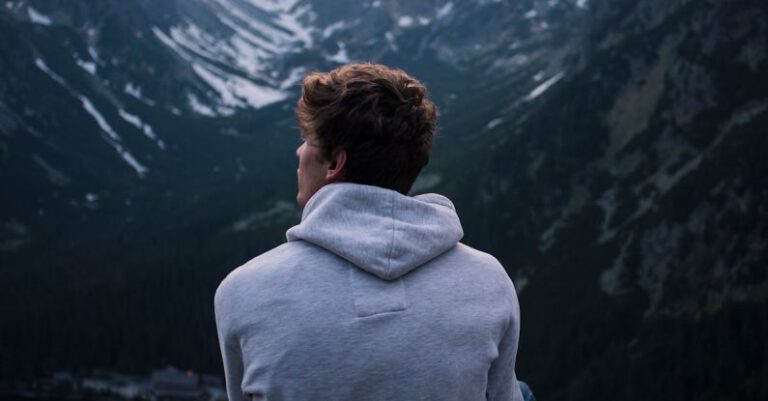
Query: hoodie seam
point(392, 242)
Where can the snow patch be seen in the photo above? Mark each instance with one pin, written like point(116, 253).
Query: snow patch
point(284, 26)
point(56, 77)
point(443, 11)
point(248, 35)
point(100, 120)
point(133, 119)
point(581, 3)
point(141, 170)
point(198, 107)
point(194, 39)
point(294, 77)
point(37, 17)
point(88, 66)
point(536, 92)
point(145, 128)
point(405, 21)
point(292, 23)
point(391, 40)
point(341, 56)
point(274, 5)
point(135, 91)
point(170, 43)
point(94, 55)
point(276, 35)
point(330, 29)
point(235, 91)
point(530, 14)
point(111, 137)
point(494, 123)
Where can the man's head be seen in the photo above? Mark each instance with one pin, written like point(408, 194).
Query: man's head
point(366, 124)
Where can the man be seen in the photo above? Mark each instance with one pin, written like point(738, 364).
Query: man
point(372, 297)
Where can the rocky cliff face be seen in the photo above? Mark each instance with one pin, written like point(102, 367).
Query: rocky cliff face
point(637, 187)
point(613, 155)
point(649, 149)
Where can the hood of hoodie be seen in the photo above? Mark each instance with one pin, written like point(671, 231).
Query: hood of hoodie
point(381, 231)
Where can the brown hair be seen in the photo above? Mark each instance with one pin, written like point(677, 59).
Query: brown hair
point(379, 115)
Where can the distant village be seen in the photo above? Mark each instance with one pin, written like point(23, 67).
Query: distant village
point(168, 384)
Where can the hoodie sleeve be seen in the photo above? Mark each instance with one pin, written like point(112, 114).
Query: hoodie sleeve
point(231, 353)
point(502, 380)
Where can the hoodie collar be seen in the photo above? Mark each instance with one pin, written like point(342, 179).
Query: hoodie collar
point(379, 230)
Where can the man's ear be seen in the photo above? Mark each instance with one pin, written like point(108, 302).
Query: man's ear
point(335, 171)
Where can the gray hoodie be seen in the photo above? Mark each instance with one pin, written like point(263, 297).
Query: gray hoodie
point(372, 298)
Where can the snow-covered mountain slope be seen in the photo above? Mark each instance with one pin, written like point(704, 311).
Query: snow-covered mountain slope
point(148, 61)
point(115, 97)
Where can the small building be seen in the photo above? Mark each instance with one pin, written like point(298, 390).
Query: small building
point(171, 384)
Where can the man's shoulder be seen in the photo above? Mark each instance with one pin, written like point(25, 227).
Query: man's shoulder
point(480, 260)
point(275, 261)
point(483, 268)
point(477, 254)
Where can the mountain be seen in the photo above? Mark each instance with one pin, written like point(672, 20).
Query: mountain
point(141, 89)
point(612, 154)
point(637, 187)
